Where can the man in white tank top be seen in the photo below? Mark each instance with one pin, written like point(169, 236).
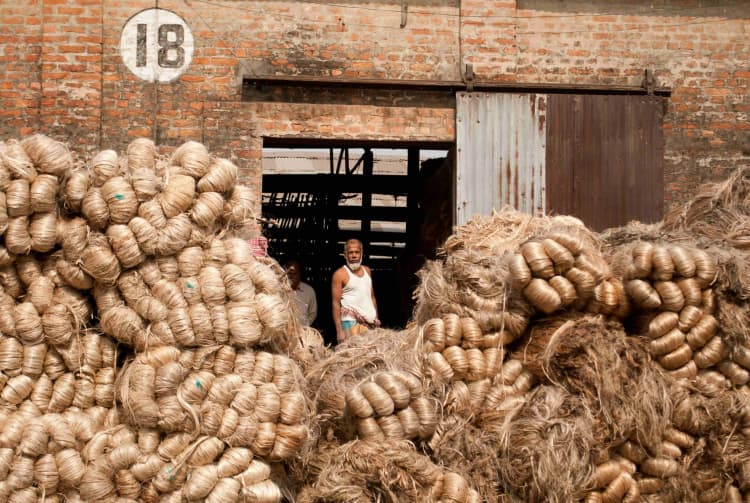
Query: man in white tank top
point(355, 309)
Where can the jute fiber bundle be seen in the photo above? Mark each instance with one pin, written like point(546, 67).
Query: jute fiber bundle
point(391, 404)
point(48, 156)
point(52, 312)
point(614, 482)
point(596, 361)
point(80, 374)
point(241, 302)
point(144, 465)
point(157, 391)
point(234, 476)
point(560, 270)
point(41, 453)
point(674, 282)
point(66, 314)
point(472, 285)
point(355, 360)
point(458, 352)
point(14, 163)
point(362, 471)
point(718, 211)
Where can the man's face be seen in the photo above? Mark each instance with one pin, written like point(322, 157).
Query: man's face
point(353, 254)
point(292, 271)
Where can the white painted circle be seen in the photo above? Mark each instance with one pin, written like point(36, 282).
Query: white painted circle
point(156, 45)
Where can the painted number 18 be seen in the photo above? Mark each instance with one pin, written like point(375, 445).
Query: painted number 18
point(171, 53)
point(156, 45)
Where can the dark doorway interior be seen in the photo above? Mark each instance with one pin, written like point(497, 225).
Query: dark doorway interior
point(394, 197)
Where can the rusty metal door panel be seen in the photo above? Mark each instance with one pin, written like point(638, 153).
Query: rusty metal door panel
point(500, 153)
point(604, 158)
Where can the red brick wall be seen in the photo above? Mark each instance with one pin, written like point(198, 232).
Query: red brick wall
point(63, 73)
point(20, 67)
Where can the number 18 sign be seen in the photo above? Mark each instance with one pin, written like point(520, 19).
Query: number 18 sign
point(156, 45)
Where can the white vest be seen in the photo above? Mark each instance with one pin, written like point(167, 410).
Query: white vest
point(357, 296)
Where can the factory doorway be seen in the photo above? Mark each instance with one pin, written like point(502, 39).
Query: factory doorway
point(397, 198)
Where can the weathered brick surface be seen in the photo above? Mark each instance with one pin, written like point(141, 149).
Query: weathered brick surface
point(20, 67)
point(62, 71)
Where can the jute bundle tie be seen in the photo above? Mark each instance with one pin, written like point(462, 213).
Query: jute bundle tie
point(104, 166)
point(193, 158)
point(177, 196)
point(17, 161)
point(49, 156)
point(121, 200)
point(238, 210)
point(43, 194)
point(220, 178)
point(18, 198)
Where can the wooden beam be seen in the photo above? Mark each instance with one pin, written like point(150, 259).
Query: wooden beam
point(367, 166)
point(412, 200)
point(375, 184)
point(343, 235)
point(375, 213)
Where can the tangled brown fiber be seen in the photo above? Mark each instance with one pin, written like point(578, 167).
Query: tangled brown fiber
point(16, 161)
point(506, 229)
point(718, 211)
point(439, 293)
point(547, 446)
point(467, 447)
point(354, 360)
point(387, 471)
point(611, 373)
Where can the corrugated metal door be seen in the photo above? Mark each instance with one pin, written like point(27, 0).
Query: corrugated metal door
point(500, 153)
point(604, 158)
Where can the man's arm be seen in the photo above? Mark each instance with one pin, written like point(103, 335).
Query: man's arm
point(372, 294)
point(337, 289)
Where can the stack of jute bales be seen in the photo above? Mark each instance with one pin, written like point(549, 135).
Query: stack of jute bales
point(546, 362)
point(143, 347)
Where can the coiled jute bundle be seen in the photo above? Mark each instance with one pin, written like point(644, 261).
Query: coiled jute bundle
point(81, 373)
point(561, 271)
point(240, 303)
point(614, 482)
point(49, 156)
point(509, 387)
point(158, 390)
point(193, 187)
point(42, 452)
point(391, 405)
point(143, 464)
point(451, 330)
